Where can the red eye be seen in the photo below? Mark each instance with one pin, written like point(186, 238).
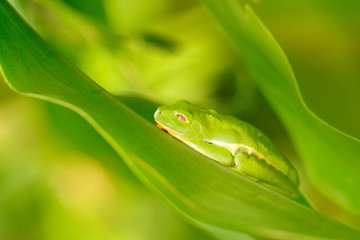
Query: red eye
point(181, 117)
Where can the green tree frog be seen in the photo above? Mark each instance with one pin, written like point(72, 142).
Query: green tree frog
point(231, 142)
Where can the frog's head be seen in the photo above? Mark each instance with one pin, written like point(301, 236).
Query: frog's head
point(181, 120)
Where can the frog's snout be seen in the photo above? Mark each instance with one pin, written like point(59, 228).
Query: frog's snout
point(158, 112)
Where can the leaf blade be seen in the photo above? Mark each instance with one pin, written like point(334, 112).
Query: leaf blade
point(207, 193)
point(331, 156)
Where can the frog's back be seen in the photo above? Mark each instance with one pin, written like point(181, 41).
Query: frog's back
point(241, 136)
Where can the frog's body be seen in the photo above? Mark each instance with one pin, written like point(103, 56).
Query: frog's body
point(232, 142)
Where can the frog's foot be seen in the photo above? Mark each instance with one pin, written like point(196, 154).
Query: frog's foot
point(258, 170)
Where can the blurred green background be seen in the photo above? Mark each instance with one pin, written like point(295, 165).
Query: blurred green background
point(65, 182)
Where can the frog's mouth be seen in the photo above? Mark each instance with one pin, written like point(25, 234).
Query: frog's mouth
point(169, 131)
point(162, 127)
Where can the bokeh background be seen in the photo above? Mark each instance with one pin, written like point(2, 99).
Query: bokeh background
point(60, 180)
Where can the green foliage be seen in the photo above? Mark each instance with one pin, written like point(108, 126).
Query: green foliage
point(206, 193)
point(321, 145)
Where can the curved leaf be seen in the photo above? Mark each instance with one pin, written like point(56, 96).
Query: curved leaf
point(331, 156)
point(207, 193)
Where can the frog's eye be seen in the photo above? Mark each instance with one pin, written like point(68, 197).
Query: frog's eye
point(181, 117)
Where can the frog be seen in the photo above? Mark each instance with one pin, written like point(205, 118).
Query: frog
point(235, 144)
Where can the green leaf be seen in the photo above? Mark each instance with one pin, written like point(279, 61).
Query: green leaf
point(205, 192)
point(331, 156)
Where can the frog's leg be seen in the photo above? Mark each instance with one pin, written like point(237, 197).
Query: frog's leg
point(218, 153)
point(258, 170)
